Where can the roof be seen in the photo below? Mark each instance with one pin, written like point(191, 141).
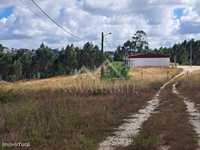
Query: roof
point(148, 55)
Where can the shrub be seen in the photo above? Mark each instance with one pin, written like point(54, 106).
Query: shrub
point(115, 70)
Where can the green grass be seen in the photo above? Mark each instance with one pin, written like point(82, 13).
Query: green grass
point(115, 70)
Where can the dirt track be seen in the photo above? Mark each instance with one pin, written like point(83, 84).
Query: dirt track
point(131, 128)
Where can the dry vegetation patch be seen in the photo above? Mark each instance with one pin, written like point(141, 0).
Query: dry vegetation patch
point(167, 128)
point(140, 78)
point(73, 113)
point(189, 86)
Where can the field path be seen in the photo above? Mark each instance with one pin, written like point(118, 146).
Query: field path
point(194, 113)
point(125, 132)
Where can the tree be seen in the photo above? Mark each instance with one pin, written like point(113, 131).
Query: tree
point(1, 48)
point(90, 56)
point(129, 46)
point(119, 54)
point(138, 43)
point(67, 60)
point(25, 57)
point(6, 60)
point(16, 70)
point(43, 61)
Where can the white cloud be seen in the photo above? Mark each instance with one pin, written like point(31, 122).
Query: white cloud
point(3, 20)
point(27, 27)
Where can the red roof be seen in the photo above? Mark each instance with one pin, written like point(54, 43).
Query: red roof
point(148, 55)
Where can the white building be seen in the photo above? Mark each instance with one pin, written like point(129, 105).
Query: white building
point(147, 60)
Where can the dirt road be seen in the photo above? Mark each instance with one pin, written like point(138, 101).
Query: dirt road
point(190, 68)
point(132, 126)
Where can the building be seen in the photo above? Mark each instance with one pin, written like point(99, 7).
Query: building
point(147, 60)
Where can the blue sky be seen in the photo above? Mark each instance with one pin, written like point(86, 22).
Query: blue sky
point(179, 12)
point(6, 12)
point(165, 22)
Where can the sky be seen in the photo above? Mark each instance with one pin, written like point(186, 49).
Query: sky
point(166, 22)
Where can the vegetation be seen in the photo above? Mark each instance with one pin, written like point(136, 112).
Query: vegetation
point(189, 86)
point(138, 43)
point(115, 70)
point(180, 51)
point(73, 112)
point(145, 142)
point(46, 62)
point(163, 130)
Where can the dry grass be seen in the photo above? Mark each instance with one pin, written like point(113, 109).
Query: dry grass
point(73, 113)
point(190, 87)
point(167, 128)
point(139, 78)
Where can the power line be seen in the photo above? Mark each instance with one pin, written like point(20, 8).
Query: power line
point(52, 20)
point(29, 8)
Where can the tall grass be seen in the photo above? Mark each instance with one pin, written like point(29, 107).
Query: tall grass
point(191, 80)
point(189, 86)
point(89, 84)
point(76, 112)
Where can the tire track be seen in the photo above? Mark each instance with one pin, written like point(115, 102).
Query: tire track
point(194, 113)
point(131, 127)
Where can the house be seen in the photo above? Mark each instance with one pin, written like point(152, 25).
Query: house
point(147, 60)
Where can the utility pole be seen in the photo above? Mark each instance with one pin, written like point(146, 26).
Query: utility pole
point(191, 53)
point(102, 50)
point(175, 60)
point(102, 42)
point(175, 57)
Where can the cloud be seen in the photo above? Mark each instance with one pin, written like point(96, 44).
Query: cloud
point(27, 27)
point(3, 20)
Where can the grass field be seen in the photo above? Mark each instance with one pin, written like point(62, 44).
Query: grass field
point(74, 112)
point(190, 87)
point(170, 127)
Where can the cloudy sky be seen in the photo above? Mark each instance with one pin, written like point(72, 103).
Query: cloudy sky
point(164, 21)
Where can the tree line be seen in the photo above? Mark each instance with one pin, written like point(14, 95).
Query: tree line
point(180, 53)
point(183, 52)
point(45, 62)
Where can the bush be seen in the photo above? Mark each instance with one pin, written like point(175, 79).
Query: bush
point(115, 70)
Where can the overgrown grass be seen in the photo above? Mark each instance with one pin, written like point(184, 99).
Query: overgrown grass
point(72, 113)
point(84, 84)
point(191, 80)
point(189, 86)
